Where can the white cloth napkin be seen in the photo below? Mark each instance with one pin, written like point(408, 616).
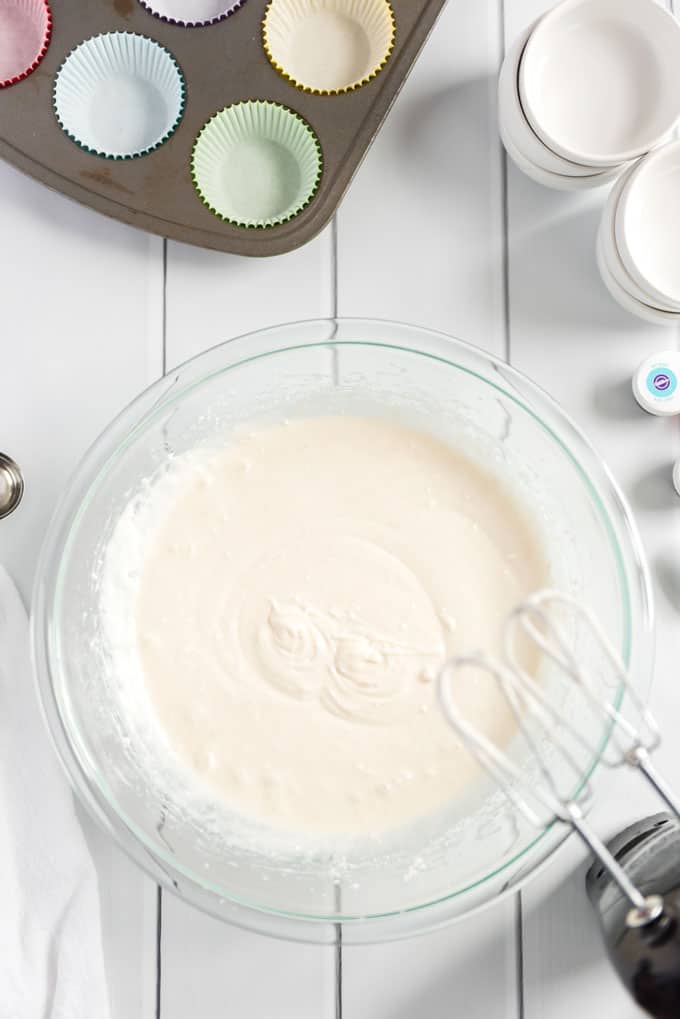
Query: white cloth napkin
point(51, 963)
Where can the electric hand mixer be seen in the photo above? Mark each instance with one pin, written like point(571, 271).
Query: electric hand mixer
point(635, 882)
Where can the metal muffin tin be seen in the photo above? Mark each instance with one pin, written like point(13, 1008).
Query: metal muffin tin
point(222, 64)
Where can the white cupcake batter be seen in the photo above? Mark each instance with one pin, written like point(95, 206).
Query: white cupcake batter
point(295, 604)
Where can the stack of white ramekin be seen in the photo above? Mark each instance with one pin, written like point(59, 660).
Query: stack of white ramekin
point(588, 95)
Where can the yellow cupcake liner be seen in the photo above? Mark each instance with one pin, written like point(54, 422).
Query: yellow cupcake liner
point(328, 47)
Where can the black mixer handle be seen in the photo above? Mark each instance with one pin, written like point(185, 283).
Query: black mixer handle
point(646, 954)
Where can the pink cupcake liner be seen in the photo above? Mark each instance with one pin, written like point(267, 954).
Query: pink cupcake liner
point(25, 29)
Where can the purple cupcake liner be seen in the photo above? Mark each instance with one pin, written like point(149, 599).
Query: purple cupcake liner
point(168, 11)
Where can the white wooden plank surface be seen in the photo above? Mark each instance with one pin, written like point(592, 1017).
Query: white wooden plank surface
point(213, 971)
point(430, 195)
point(420, 231)
point(569, 335)
point(213, 297)
point(78, 341)
point(468, 970)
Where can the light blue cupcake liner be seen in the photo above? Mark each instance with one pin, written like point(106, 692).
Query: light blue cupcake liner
point(119, 95)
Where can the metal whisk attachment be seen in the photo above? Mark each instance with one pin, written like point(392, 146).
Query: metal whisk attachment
point(546, 622)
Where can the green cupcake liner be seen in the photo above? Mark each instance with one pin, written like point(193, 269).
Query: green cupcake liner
point(256, 164)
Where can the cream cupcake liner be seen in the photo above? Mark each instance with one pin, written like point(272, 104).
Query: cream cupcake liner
point(328, 46)
point(191, 13)
point(256, 164)
point(25, 30)
point(119, 95)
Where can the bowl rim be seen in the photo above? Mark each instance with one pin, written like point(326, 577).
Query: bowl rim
point(605, 257)
point(532, 50)
point(548, 179)
point(610, 247)
point(517, 125)
point(617, 520)
point(639, 178)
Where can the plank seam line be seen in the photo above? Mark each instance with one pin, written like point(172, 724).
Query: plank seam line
point(338, 971)
point(505, 291)
point(337, 982)
point(335, 353)
point(519, 959)
point(164, 368)
point(505, 217)
point(334, 267)
point(673, 8)
point(164, 309)
point(159, 938)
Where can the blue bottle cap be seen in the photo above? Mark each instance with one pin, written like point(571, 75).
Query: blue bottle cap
point(656, 383)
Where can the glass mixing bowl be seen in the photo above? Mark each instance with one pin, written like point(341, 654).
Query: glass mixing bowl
point(413, 879)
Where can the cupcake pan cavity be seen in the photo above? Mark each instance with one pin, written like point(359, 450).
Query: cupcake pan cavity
point(328, 46)
point(223, 63)
point(191, 13)
point(119, 95)
point(25, 28)
point(256, 164)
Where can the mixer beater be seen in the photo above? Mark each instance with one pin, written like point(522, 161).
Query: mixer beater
point(642, 925)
